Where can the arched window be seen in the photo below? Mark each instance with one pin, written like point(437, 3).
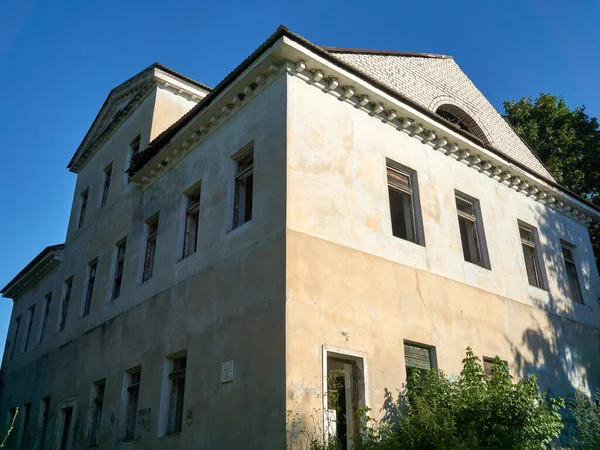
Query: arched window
point(461, 119)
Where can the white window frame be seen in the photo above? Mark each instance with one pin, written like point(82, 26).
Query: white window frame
point(165, 401)
point(477, 220)
point(537, 255)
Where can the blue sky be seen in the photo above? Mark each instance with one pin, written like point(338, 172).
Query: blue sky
point(59, 60)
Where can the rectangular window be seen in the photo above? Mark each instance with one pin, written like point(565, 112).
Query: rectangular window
point(244, 178)
point(133, 378)
point(43, 421)
point(83, 206)
point(23, 438)
point(135, 147)
point(31, 316)
point(66, 416)
point(471, 235)
point(489, 365)
point(152, 232)
point(89, 291)
point(572, 279)
point(97, 401)
point(44, 324)
point(403, 203)
point(106, 184)
point(175, 394)
point(418, 357)
point(192, 215)
point(119, 265)
point(66, 301)
point(17, 329)
point(532, 266)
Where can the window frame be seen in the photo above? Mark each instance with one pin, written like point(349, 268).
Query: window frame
point(575, 293)
point(172, 374)
point(151, 225)
point(106, 182)
point(17, 322)
point(27, 338)
point(476, 221)
point(130, 410)
point(118, 268)
point(239, 209)
point(535, 247)
point(431, 352)
point(191, 213)
point(45, 317)
point(90, 284)
point(96, 406)
point(65, 303)
point(83, 204)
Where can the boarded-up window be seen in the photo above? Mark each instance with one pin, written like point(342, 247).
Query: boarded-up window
point(490, 365)
point(573, 280)
point(530, 255)
point(192, 214)
point(243, 190)
point(417, 357)
point(119, 266)
point(402, 208)
point(469, 229)
point(152, 232)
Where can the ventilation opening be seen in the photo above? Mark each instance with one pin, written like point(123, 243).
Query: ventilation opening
point(461, 119)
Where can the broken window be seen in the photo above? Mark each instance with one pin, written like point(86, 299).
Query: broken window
point(402, 203)
point(17, 329)
point(152, 232)
point(530, 255)
point(572, 279)
point(90, 287)
point(64, 310)
point(30, 318)
point(106, 184)
point(44, 417)
point(490, 365)
point(418, 357)
point(244, 177)
point(469, 229)
point(176, 392)
point(44, 324)
point(192, 214)
point(119, 265)
point(134, 377)
point(83, 206)
point(96, 404)
point(66, 414)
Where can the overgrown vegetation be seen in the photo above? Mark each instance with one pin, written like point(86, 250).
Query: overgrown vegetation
point(434, 412)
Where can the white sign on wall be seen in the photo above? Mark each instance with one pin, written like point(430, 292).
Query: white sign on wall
point(227, 371)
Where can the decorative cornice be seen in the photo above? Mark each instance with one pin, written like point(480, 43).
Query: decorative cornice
point(447, 143)
point(42, 264)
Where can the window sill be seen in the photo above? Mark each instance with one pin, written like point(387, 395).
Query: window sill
point(472, 264)
point(239, 227)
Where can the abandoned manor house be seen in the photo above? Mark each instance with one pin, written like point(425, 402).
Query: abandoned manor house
point(324, 220)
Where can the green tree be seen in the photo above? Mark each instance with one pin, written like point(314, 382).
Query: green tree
point(567, 141)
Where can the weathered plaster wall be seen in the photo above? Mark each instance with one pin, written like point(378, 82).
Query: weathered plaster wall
point(225, 301)
point(347, 273)
point(168, 109)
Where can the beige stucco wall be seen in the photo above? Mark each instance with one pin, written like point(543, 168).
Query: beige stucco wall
point(352, 285)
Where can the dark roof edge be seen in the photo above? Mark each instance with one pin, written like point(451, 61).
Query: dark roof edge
point(31, 265)
point(164, 138)
point(365, 51)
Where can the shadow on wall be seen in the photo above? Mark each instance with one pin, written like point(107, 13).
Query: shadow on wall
point(564, 353)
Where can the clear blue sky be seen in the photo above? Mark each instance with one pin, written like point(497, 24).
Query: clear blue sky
point(59, 60)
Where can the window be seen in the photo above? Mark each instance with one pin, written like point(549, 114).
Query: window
point(44, 324)
point(418, 357)
point(97, 401)
point(490, 365)
point(461, 119)
point(573, 286)
point(175, 394)
point(83, 206)
point(469, 223)
point(106, 184)
point(66, 416)
point(134, 149)
point(152, 231)
point(192, 214)
point(402, 203)
point(17, 329)
point(43, 420)
point(29, 326)
point(22, 438)
point(119, 265)
point(133, 379)
point(528, 242)
point(242, 200)
point(89, 291)
point(64, 310)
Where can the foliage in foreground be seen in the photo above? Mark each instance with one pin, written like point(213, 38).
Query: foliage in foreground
point(433, 412)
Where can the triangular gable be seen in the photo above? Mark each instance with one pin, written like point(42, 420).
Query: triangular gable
point(434, 81)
